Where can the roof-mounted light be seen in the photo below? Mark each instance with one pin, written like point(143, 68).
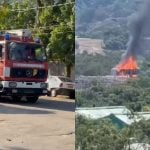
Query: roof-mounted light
point(7, 36)
point(38, 40)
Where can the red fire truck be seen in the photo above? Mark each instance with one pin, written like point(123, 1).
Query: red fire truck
point(23, 66)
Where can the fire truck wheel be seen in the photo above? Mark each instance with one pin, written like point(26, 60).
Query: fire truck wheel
point(53, 93)
point(32, 99)
point(49, 93)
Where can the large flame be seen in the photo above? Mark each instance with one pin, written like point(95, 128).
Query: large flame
point(127, 66)
point(129, 63)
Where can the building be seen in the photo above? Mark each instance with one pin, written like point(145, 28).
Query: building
point(119, 115)
point(138, 146)
point(90, 46)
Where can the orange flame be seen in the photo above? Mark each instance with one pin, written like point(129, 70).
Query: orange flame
point(129, 63)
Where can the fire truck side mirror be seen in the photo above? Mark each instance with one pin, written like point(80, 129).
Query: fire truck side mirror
point(1, 48)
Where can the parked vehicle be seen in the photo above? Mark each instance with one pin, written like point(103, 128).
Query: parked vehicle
point(60, 85)
point(23, 66)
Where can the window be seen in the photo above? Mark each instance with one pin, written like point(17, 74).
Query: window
point(23, 51)
point(2, 51)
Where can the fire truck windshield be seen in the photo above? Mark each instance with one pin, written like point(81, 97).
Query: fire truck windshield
point(25, 52)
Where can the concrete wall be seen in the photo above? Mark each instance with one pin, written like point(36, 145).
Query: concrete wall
point(91, 46)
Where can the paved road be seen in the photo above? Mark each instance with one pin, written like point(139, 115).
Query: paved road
point(46, 125)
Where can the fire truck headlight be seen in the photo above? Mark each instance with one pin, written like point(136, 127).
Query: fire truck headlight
point(43, 85)
point(12, 84)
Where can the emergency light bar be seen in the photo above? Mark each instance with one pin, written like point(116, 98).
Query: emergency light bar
point(20, 34)
point(38, 40)
point(17, 33)
point(7, 36)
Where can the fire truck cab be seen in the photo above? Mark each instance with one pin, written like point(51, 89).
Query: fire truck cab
point(23, 66)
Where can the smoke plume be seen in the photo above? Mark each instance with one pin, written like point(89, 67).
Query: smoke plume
point(139, 25)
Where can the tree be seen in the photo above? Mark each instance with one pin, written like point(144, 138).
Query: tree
point(98, 64)
point(20, 19)
point(62, 46)
point(115, 38)
point(103, 134)
point(4, 11)
point(97, 135)
point(62, 40)
point(59, 33)
point(133, 94)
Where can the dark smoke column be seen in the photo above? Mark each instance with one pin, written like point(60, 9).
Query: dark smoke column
point(140, 32)
point(140, 29)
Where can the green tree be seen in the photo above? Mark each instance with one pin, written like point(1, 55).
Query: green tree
point(133, 94)
point(59, 33)
point(62, 46)
point(12, 18)
point(103, 134)
point(97, 135)
point(115, 38)
point(62, 40)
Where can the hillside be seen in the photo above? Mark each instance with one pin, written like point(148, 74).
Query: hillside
point(94, 16)
point(107, 20)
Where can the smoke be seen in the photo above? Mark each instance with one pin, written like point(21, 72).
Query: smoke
point(139, 25)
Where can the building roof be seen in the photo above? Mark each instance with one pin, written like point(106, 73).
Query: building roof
point(139, 146)
point(119, 112)
point(101, 112)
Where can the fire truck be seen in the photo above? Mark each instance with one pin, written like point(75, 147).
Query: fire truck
point(23, 66)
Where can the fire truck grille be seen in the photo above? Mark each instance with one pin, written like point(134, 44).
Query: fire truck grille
point(28, 73)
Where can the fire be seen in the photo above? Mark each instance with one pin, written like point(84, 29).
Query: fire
point(127, 66)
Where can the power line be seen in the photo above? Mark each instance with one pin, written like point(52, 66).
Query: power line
point(33, 8)
point(49, 33)
point(49, 27)
point(40, 29)
point(34, 30)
